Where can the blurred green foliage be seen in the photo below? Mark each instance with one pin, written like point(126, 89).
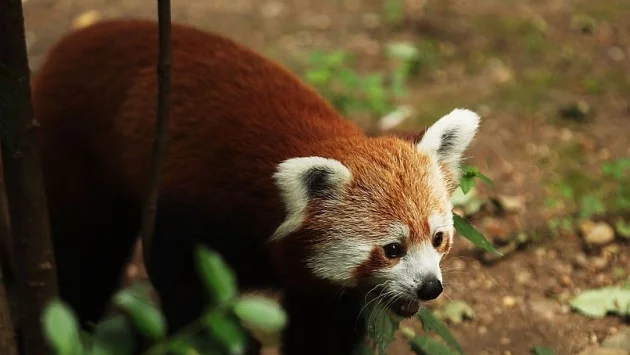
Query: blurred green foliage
point(221, 329)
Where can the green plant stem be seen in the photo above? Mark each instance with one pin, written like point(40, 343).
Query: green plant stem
point(164, 59)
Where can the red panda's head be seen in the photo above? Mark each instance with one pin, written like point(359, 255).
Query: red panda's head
point(378, 217)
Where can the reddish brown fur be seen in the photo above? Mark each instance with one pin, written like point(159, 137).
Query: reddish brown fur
point(377, 261)
point(373, 170)
point(96, 97)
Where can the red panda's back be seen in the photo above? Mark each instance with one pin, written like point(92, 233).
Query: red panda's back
point(235, 115)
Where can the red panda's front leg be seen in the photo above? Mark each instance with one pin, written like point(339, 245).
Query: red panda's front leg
point(180, 228)
point(322, 324)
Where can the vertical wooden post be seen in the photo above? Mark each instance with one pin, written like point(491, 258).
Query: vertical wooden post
point(30, 247)
point(8, 345)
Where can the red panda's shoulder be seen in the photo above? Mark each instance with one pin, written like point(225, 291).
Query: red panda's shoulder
point(228, 103)
point(212, 76)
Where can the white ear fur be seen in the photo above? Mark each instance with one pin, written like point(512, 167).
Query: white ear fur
point(450, 136)
point(299, 180)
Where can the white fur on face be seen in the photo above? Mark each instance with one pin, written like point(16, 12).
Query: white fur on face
point(450, 136)
point(420, 262)
point(337, 261)
point(290, 179)
point(349, 247)
point(440, 222)
point(406, 277)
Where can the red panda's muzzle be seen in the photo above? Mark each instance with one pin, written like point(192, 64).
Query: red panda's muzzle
point(405, 308)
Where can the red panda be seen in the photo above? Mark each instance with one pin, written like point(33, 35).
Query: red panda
point(258, 167)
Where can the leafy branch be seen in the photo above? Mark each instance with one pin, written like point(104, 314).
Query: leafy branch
point(221, 329)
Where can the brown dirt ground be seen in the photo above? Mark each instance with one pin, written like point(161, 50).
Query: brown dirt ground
point(517, 62)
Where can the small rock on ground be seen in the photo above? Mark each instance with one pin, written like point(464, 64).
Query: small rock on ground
point(597, 233)
point(546, 308)
point(511, 204)
point(621, 340)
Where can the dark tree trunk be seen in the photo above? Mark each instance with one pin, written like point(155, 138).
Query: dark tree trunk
point(163, 116)
point(30, 245)
point(7, 332)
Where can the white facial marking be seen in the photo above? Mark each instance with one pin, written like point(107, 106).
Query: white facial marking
point(450, 136)
point(397, 233)
point(440, 222)
point(421, 261)
point(290, 179)
point(337, 261)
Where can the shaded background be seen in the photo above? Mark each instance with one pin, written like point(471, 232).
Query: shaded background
point(551, 79)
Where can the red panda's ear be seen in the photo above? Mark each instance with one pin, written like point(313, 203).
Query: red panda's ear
point(302, 179)
point(449, 137)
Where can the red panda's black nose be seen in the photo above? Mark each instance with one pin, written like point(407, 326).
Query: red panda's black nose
point(431, 289)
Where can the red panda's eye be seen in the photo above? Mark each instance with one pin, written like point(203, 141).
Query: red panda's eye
point(393, 250)
point(438, 238)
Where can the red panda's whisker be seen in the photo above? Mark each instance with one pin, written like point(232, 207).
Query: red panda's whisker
point(375, 287)
point(377, 299)
point(367, 303)
point(447, 296)
point(379, 304)
point(391, 300)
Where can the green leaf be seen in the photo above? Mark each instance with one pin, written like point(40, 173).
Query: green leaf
point(227, 331)
point(455, 311)
point(623, 228)
point(467, 183)
point(217, 276)
point(113, 336)
point(374, 80)
point(623, 202)
point(567, 191)
point(484, 178)
point(260, 313)
point(62, 329)
point(591, 206)
point(429, 346)
point(349, 78)
point(330, 60)
point(317, 58)
point(599, 302)
point(469, 232)
point(181, 346)
point(617, 169)
point(394, 11)
point(430, 323)
point(145, 316)
point(363, 349)
point(318, 77)
point(399, 80)
point(541, 350)
point(473, 172)
point(382, 328)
